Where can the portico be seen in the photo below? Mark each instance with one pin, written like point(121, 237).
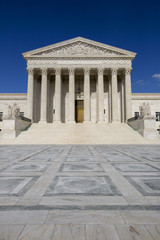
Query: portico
point(62, 74)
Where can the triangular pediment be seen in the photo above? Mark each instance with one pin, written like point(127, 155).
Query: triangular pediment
point(78, 47)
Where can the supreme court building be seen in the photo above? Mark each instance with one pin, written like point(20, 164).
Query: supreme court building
point(79, 80)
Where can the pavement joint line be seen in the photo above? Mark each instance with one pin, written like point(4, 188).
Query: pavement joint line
point(142, 160)
point(131, 207)
point(127, 154)
point(48, 175)
point(80, 207)
point(114, 178)
point(22, 158)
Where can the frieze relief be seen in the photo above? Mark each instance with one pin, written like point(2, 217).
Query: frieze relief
point(79, 63)
point(80, 49)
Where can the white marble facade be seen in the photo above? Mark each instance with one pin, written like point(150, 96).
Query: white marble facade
point(79, 69)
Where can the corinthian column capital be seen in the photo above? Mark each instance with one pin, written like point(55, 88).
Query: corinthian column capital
point(86, 71)
point(30, 71)
point(44, 71)
point(71, 71)
point(127, 71)
point(100, 71)
point(114, 71)
point(57, 71)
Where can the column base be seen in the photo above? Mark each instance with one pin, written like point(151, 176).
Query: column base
point(71, 121)
point(41, 121)
point(115, 121)
point(57, 121)
point(101, 121)
point(86, 121)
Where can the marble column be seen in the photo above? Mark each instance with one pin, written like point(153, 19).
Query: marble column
point(100, 95)
point(43, 116)
point(122, 100)
point(87, 97)
point(109, 100)
point(35, 102)
point(58, 95)
point(30, 93)
point(114, 94)
point(72, 95)
point(128, 95)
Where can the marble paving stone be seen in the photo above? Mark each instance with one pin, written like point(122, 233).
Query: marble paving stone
point(82, 174)
point(91, 177)
point(23, 167)
point(83, 186)
point(132, 200)
point(33, 201)
point(153, 158)
point(27, 167)
point(84, 217)
point(146, 185)
point(81, 167)
point(83, 200)
point(37, 160)
point(10, 232)
point(154, 230)
point(23, 217)
point(80, 159)
point(39, 188)
point(154, 200)
point(101, 232)
point(133, 232)
point(118, 158)
point(135, 167)
point(8, 201)
point(141, 217)
point(37, 232)
point(15, 185)
point(69, 231)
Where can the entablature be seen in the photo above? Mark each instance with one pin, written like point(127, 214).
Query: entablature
point(79, 64)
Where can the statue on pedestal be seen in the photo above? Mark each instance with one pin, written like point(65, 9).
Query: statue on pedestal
point(9, 111)
point(13, 111)
point(145, 110)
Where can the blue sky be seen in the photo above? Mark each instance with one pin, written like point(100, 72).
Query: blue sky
point(131, 25)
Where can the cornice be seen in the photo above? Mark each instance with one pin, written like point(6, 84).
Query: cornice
point(79, 58)
point(13, 96)
point(76, 40)
point(145, 96)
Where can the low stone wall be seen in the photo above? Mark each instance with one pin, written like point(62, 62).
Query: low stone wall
point(1, 125)
point(13, 127)
point(145, 126)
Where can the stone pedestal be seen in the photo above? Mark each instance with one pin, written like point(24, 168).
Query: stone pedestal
point(13, 126)
point(146, 126)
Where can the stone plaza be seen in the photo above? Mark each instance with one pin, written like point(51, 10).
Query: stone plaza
point(80, 192)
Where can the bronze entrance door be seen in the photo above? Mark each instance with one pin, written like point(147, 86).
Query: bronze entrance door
point(79, 111)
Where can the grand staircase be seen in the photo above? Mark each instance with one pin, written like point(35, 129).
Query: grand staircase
point(86, 133)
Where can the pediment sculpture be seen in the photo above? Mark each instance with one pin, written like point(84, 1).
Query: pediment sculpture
point(79, 48)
